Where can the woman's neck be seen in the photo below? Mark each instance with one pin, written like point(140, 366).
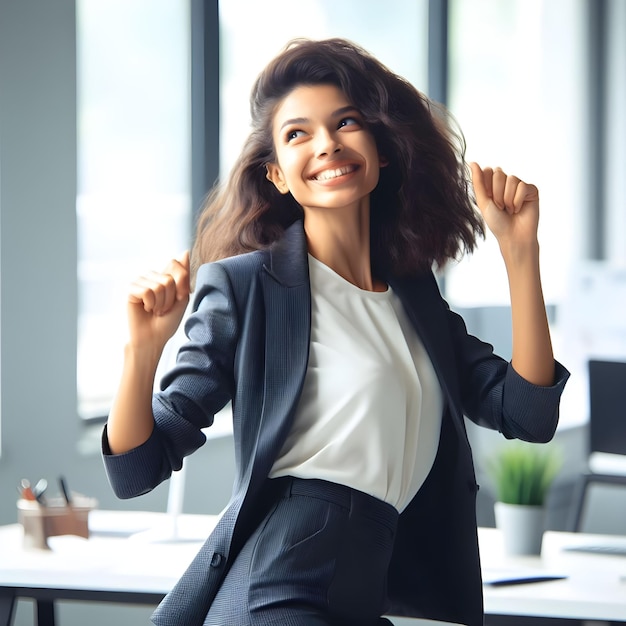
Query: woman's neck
point(341, 240)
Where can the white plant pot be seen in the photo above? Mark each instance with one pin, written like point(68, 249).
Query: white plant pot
point(522, 527)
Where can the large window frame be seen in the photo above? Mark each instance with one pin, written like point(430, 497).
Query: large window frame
point(133, 200)
point(208, 131)
point(208, 128)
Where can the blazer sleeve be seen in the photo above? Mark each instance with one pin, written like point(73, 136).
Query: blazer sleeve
point(494, 395)
point(197, 387)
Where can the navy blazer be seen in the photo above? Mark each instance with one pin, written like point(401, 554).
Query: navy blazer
point(248, 343)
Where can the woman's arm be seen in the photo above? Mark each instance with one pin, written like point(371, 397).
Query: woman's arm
point(510, 207)
point(156, 304)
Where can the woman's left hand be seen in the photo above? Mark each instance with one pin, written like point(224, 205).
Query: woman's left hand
point(510, 207)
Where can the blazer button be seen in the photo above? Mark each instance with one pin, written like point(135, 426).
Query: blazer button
point(216, 559)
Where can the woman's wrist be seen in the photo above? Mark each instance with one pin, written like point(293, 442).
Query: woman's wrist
point(520, 254)
point(142, 358)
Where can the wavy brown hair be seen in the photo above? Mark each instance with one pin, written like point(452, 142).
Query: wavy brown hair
point(422, 210)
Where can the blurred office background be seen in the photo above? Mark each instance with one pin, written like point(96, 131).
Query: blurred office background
point(116, 116)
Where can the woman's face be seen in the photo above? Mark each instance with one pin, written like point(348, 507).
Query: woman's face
point(325, 156)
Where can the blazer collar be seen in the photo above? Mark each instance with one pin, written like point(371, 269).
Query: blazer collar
point(288, 261)
point(288, 266)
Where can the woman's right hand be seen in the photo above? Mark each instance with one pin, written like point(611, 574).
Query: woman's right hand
point(157, 303)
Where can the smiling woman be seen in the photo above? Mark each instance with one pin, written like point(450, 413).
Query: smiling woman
point(316, 313)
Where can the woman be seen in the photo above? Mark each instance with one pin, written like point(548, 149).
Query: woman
point(317, 315)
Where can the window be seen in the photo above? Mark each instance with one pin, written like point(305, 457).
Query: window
point(517, 85)
point(615, 132)
point(133, 205)
point(396, 33)
point(516, 77)
point(133, 201)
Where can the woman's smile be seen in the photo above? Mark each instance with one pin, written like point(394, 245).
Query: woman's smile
point(334, 173)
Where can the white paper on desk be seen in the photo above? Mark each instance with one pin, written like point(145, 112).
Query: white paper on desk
point(71, 552)
point(516, 576)
point(120, 524)
point(125, 557)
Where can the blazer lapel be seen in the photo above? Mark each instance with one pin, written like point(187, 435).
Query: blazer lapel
point(425, 308)
point(288, 330)
point(286, 290)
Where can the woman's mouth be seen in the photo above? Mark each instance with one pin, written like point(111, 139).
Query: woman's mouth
point(330, 174)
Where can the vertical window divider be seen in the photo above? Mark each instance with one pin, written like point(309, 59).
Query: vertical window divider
point(438, 51)
point(596, 69)
point(205, 99)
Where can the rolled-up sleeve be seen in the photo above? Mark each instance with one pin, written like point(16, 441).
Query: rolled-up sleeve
point(531, 412)
point(495, 396)
point(198, 386)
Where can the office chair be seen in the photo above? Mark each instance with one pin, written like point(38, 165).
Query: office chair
point(607, 431)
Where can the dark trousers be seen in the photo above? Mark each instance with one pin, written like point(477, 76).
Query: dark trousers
point(319, 558)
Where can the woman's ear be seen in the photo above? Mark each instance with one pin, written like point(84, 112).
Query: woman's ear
point(275, 175)
point(383, 161)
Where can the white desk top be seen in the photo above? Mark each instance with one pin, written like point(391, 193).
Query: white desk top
point(114, 558)
point(594, 587)
point(111, 560)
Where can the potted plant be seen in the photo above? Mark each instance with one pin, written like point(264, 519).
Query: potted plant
point(522, 474)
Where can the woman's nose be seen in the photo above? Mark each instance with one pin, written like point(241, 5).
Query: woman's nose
point(327, 143)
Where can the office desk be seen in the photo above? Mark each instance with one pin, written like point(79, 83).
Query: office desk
point(113, 566)
point(594, 587)
point(129, 558)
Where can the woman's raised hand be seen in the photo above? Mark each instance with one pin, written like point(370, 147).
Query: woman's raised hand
point(510, 207)
point(157, 303)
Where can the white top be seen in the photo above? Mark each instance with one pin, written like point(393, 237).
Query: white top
point(370, 412)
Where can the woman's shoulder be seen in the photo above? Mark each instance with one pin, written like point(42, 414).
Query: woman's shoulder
point(239, 268)
point(232, 277)
point(245, 262)
point(286, 253)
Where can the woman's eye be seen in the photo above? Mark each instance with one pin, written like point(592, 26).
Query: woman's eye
point(349, 121)
point(294, 134)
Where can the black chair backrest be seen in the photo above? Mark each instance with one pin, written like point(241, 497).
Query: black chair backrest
point(607, 406)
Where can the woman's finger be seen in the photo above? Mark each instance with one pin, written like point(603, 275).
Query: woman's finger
point(179, 270)
point(156, 291)
point(510, 190)
point(498, 185)
point(525, 192)
point(481, 180)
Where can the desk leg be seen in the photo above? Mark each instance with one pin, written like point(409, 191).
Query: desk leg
point(45, 612)
point(7, 604)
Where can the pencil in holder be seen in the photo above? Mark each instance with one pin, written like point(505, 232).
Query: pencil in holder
point(55, 518)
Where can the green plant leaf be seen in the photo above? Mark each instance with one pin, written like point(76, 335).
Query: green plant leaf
point(523, 472)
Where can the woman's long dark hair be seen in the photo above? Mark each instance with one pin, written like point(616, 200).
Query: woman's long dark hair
point(422, 210)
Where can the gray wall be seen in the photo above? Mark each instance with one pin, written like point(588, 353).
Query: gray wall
point(38, 249)
point(41, 433)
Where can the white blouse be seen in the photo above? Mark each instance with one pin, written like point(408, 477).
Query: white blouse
point(370, 412)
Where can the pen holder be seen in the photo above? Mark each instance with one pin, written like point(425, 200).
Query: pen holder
point(52, 519)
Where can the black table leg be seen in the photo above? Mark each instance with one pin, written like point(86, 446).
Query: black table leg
point(45, 612)
point(7, 605)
